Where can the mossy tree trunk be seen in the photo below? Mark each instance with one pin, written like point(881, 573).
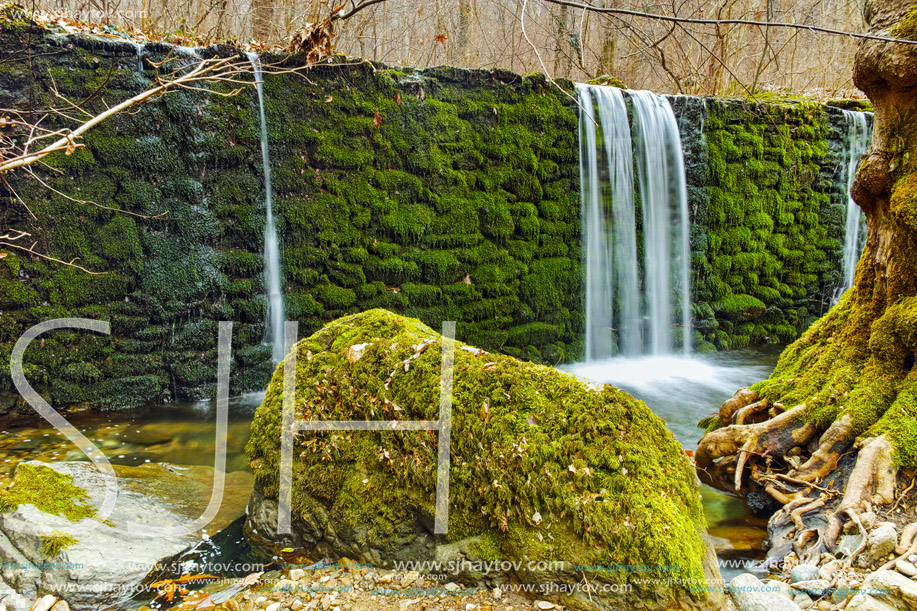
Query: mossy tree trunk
point(849, 384)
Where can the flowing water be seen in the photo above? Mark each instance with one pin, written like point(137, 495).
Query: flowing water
point(620, 317)
point(858, 136)
point(275, 314)
point(681, 391)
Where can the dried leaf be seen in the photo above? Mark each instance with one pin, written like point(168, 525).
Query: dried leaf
point(377, 120)
point(441, 39)
point(398, 98)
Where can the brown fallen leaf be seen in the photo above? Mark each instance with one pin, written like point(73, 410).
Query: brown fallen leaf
point(377, 120)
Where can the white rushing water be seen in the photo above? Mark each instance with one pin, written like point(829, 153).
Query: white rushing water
point(858, 136)
point(275, 315)
point(645, 319)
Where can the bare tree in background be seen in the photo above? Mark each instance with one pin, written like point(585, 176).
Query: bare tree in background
point(697, 58)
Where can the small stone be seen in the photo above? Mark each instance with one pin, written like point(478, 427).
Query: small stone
point(470, 607)
point(273, 607)
point(44, 603)
point(841, 592)
point(297, 574)
point(60, 605)
point(804, 601)
point(803, 572)
point(404, 604)
point(868, 519)
point(544, 605)
point(387, 578)
point(409, 578)
point(829, 570)
point(260, 600)
point(497, 593)
point(880, 543)
point(906, 568)
point(296, 605)
point(452, 587)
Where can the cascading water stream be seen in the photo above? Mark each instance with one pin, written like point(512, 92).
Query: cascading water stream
point(858, 135)
point(620, 318)
point(275, 314)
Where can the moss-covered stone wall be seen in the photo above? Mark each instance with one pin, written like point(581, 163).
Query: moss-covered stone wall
point(767, 191)
point(440, 194)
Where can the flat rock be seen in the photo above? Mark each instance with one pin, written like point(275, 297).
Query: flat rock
point(750, 594)
point(815, 587)
point(848, 544)
point(868, 603)
point(114, 555)
point(897, 589)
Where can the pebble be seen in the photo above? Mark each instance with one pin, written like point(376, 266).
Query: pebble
point(906, 568)
point(452, 587)
point(497, 593)
point(297, 574)
point(273, 607)
point(409, 578)
point(44, 603)
point(804, 601)
point(296, 605)
point(803, 572)
point(544, 605)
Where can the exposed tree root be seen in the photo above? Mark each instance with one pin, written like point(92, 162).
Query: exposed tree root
point(722, 454)
point(872, 480)
point(796, 514)
point(907, 538)
point(834, 442)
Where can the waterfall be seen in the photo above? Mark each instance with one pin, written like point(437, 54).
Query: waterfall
point(275, 315)
point(854, 237)
point(620, 318)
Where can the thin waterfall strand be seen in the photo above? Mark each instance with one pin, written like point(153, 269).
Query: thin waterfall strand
point(644, 320)
point(599, 290)
point(666, 225)
point(617, 137)
point(854, 239)
point(275, 314)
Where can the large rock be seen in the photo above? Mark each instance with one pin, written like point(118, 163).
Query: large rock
point(105, 565)
point(544, 467)
point(892, 588)
point(751, 594)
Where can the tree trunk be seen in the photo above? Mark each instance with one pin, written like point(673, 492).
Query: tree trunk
point(850, 378)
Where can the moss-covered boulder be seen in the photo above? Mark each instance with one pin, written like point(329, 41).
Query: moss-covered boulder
point(545, 467)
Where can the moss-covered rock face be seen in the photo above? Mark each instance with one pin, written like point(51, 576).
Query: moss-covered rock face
point(544, 466)
point(462, 204)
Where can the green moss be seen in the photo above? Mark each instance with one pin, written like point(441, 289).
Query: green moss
point(48, 490)
point(56, 542)
point(610, 483)
point(907, 27)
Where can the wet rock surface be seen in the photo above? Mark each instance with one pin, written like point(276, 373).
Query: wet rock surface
point(108, 563)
